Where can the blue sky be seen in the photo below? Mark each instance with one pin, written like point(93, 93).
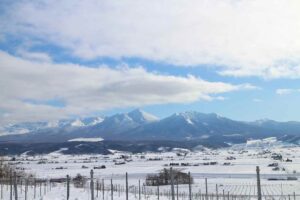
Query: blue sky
point(239, 59)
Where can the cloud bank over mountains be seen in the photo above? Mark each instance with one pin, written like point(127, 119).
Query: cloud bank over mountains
point(235, 40)
point(47, 91)
point(240, 37)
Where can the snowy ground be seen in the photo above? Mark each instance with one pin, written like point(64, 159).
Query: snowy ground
point(238, 177)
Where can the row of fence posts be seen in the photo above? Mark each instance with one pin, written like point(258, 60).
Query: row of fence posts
point(13, 182)
point(97, 187)
point(13, 186)
point(259, 195)
point(206, 195)
point(127, 189)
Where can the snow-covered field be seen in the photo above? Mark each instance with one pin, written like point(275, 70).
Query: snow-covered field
point(231, 169)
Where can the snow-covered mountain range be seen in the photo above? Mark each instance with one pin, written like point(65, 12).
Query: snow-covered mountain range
point(29, 127)
point(138, 125)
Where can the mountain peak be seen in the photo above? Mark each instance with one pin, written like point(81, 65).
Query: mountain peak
point(195, 114)
point(137, 110)
point(142, 116)
point(77, 122)
point(263, 120)
point(194, 117)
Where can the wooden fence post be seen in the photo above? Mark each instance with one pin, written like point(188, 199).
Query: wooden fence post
point(258, 183)
point(111, 189)
point(217, 192)
point(172, 184)
point(177, 190)
point(157, 191)
point(144, 191)
point(34, 192)
point(139, 189)
point(190, 187)
point(97, 187)
point(10, 182)
point(1, 189)
point(21, 182)
point(26, 188)
point(103, 189)
point(206, 189)
point(15, 186)
point(92, 185)
point(126, 186)
point(68, 187)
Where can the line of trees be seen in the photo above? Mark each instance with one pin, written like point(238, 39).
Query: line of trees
point(5, 170)
point(164, 178)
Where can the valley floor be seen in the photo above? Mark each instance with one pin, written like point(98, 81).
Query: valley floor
point(231, 170)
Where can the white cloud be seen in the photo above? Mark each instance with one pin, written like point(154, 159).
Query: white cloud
point(220, 98)
point(256, 100)
point(27, 86)
point(243, 38)
point(34, 56)
point(285, 91)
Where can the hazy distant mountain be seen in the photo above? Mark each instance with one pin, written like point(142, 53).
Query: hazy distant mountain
point(22, 128)
point(139, 125)
point(291, 127)
point(29, 127)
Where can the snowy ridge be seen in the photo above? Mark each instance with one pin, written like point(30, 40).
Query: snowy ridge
point(139, 125)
